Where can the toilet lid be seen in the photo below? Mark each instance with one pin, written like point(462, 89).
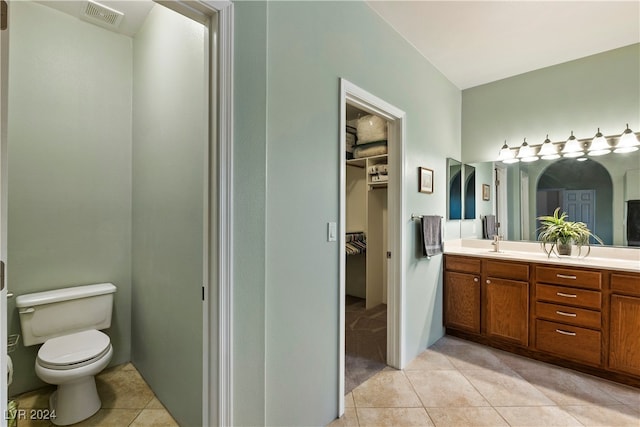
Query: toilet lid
point(73, 349)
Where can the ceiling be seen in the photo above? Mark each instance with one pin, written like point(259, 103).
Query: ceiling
point(477, 42)
point(135, 12)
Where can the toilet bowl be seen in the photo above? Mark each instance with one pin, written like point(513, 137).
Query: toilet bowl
point(66, 322)
point(71, 362)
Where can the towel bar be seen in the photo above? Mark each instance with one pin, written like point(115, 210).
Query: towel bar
point(415, 217)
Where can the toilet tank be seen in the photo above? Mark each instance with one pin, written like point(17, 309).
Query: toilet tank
point(50, 314)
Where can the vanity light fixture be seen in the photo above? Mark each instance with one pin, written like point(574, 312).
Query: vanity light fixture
point(599, 145)
point(548, 151)
point(573, 147)
point(581, 159)
point(628, 142)
point(506, 155)
point(526, 153)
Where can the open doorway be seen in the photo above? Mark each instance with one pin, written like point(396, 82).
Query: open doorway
point(381, 182)
point(84, 161)
point(366, 281)
point(584, 190)
point(216, 292)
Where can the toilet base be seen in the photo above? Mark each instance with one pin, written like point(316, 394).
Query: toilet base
point(75, 401)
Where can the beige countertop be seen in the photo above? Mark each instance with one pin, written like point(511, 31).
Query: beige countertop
point(612, 258)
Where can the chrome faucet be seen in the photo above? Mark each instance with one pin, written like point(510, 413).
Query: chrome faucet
point(496, 242)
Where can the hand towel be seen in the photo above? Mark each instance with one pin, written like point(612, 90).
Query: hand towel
point(431, 235)
point(489, 226)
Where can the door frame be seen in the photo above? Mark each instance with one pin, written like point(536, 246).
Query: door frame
point(217, 358)
point(501, 207)
point(4, 84)
point(396, 118)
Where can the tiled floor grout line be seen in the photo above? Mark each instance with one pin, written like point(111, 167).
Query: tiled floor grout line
point(136, 417)
point(555, 404)
point(418, 396)
point(473, 385)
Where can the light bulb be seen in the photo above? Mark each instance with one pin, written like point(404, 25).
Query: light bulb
point(572, 148)
point(526, 153)
point(548, 151)
point(628, 142)
point(599, 145)
point(506, 155)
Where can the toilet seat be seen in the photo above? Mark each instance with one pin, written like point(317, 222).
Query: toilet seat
point(73, 350)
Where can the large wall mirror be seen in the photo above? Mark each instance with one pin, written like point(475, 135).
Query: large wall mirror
point(594, 190)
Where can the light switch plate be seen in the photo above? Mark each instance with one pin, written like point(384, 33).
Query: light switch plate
point(332, 232)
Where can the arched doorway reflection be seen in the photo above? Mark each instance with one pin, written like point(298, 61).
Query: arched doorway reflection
point(583, 189)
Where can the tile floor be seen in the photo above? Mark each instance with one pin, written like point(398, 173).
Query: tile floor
point(459, 383)
point(127, 400)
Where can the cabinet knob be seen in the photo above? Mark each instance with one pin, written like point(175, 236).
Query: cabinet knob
point(488, 282)
point(475, 279)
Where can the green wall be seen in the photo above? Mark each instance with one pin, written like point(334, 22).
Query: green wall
point(601, 90)
point(309, 46)
point(169, 155)
point(69, 143)
point(250, 147)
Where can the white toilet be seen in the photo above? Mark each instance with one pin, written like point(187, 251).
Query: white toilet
point(67, 322)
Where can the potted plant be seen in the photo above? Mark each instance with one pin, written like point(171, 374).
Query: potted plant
point(559, 234)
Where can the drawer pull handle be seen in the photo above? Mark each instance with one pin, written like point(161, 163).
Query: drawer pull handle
point(565, 276)
point(560, 331)
point(562, 313)
point(562, 294)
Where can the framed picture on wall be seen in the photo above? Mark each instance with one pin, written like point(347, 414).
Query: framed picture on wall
point(486, 192)
point(426, 180)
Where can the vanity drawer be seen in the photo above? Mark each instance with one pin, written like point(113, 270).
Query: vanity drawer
point(507, 270)
point(569, 277)
point(463, 264)
point(568, 341)
point(569, 296)
point(572, 315)
point(625, 283)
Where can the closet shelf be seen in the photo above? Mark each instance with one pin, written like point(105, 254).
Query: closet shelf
point(375, 185)
point(362, 162)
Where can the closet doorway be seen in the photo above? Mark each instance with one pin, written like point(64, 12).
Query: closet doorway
point(371, 231)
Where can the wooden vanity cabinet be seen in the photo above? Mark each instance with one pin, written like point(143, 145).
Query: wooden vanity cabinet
point(586, 319)
point(624, 324)
point(462, 293)
point(487, 298)
point(568, 313)
point(506, 301)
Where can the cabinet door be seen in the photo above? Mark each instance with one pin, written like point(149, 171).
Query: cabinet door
point(624, 341)
point(462, 301)
point(507, 310)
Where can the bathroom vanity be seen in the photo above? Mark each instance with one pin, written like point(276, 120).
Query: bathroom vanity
point(581, 313)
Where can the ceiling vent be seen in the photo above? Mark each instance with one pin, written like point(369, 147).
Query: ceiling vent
point(102, 15)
